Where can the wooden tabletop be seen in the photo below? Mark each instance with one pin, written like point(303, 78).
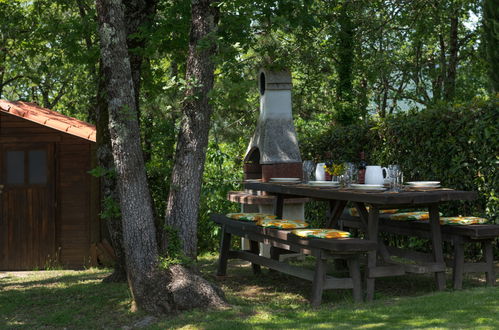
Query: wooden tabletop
point(370, 197)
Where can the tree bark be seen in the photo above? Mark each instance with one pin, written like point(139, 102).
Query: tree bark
point(135, 202)
point(139, 15)
point(98, 114)
point(450, 78)
point(491, 29)
point(108, 183)
point(154, 289)
point(183, 200)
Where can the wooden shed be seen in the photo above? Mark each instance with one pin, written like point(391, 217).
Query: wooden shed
point(49, 201)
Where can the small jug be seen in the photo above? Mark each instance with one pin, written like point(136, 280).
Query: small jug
point(375, 175)
point(320, 173)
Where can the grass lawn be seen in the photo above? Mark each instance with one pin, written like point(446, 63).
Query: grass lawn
point(78, 299)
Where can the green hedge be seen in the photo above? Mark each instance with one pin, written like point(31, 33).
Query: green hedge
point(457, 145)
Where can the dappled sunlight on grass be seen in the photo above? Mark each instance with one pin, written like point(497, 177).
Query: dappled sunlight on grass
point(63, 298)
point(79, 299)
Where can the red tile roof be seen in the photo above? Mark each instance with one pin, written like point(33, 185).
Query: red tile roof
point(33, 112)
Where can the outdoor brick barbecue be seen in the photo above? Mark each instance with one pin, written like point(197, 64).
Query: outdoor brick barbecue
point(273, 150)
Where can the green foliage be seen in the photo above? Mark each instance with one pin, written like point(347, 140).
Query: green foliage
point(223, 173)
point(344, 142)
point(458, 145)
point(174, 252)
point(110, 207)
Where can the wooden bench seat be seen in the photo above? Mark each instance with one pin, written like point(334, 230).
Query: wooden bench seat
point(459, 235)
point(340, 248)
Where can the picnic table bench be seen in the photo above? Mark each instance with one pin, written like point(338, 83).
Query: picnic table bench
point(348, 249)
point(458, 235)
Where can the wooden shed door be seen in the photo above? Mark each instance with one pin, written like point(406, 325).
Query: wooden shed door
point(27, 215)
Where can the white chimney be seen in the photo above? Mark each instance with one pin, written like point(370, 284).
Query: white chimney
point(275, 137)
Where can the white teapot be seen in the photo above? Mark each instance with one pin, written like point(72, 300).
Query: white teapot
point(375, 175)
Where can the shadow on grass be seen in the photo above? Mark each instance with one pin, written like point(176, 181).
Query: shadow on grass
point(273, 300)
point(77, 300)
point(269, 300)
point(465, 309)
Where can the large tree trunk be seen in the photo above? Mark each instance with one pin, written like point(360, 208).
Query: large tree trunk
point(153, 289)
point(183, 200)
point(108, 183)
point(135, 202)
point(138, 15)
point(98, 114)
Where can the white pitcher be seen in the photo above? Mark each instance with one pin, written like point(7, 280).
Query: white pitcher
point(320, 173)
point(375, 175)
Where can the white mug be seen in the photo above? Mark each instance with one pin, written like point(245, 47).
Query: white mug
point(320, 173)
point(374, 174)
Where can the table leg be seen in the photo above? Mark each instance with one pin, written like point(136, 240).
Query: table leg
point(255, 248)
point(489, 260)
point(458, 269)
point(372, 235)
point(437, 244)
point(335, 211)
point(318, 281)
point(224, 253)
point(278, 206)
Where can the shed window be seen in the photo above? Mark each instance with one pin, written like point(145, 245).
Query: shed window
point(15, 167)
point(37, 166)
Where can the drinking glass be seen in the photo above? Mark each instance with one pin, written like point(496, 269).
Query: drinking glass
point(349, 174)
point(395, 178)
point(308, 169)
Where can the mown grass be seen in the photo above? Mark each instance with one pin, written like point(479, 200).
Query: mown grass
point(78, 299)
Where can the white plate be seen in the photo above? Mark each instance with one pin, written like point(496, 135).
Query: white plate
point(285, 179)
point(367, 186)
point(324, 183)
point(423, 183)
point(421, 187)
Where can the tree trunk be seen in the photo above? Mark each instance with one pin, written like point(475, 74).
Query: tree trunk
point(139, 16)
point(345, 113)
point(138, 228)
point(183, 200)
point(491, 29)
point(154, 290)
point(450, 78)
point(108, 184)
point(98, 114)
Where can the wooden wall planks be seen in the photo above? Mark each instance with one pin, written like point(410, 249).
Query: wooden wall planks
point(75, 210)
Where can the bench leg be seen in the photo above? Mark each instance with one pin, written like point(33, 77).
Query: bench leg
point(318, 282)
point(372, 257)
point(458, 265)
point(436, 239)
point(354, 268)
point(489, 260)
point(255, 248)
point(224, 253)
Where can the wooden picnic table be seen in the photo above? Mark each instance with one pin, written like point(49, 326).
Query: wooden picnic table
point(368, 204)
